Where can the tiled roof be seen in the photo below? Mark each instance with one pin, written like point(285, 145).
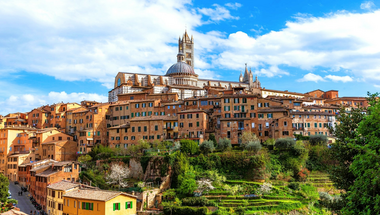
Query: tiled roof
point(63, 185)
point(99, 195)
point(40, 167)
point(64, 163)
point(54, 142)
point(47, 172)
point(151, 118)
point(191, 111)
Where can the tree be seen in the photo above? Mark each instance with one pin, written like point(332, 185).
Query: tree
point(204, 184)
point(253, 146)
point(100, 152)
point(224, 144)
point(133, 149)
point(215, 177)
point(233, 190)
point(363, 196)
point(207, 147)
point(118, 175)
point(4, 184)
point(342, 151)
point(213, 139)
point(189, 146)
point(187, 183)
point(318, 139)
point(285, 143)
point(84, 158)
point(247, 137)
point(143, 144)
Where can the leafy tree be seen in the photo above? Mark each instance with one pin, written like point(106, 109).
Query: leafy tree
point(233, 190)
point(143, 144)
point(100, 152)
point(285, 143)
point(133, 149)
point(187, 183)
point(363, 196)
point(224, 144)
point(189, 146)
point(84, 158)
point(253, 146)
point(318, 139)
point(204, 184)
point(342, 151)
point(248, 137)
point(269, 143)
point(4, 183)
point(215, 177)
point(207, 147)
point(180, 166)
point(213, 139)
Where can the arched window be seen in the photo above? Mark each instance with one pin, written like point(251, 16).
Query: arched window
point(118, 82)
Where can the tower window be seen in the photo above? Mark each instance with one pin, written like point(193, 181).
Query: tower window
point(118, 82)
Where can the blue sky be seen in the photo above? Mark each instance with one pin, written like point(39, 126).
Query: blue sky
point(69, 50)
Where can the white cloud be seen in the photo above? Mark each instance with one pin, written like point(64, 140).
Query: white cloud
point(368, 5)
point(27, 102)
point(93, 40)
point(311, 77)
point(376, 85)
point(336, 78)
point(341, 41)
point(218, 14)
point(233, 5)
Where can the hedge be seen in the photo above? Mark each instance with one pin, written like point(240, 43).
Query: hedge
point(186, 211)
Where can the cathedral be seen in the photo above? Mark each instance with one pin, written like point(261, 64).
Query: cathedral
point(180, 78)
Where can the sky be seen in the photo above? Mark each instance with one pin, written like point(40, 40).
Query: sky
point(67, 51)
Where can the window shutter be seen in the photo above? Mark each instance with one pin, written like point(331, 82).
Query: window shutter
point(114, 206)
point(126, 205)
point(131, 205)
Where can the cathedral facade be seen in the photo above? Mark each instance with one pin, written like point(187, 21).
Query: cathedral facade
point(180, 78)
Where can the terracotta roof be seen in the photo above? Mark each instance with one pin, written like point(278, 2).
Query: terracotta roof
point(191, 111)
point(47, 172)
point(155, 118)
point(311, 113)
point(40, 167)
point(98, 195)
point(271, 110)
point(63, 185)
point(285, 92)
point(144, 100)
point(14, 212)
point(64, 163)
point(54, 142)
point(127, 125)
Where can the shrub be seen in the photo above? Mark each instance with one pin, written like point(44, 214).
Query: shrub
point(248, 137)
point(197, 201)
point(221, 211)
point(189, 147)
point(303, 174)
point(294, 185)
point(285, 143)
point(185, 210)
point(213, 139)
point(207, 147)
point(253, 146)
point(224, 144)
point(318, 139)
point(269, 143)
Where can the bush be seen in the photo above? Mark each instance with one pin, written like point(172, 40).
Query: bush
point(207, 147)
point(285, 143)
point(294, 185)
point(253, 146)
point(197, 201)
point(221, 211)
point(189, 147)
point(269, 143)
point(224, 144)
point(318, 139)
point(185, 210)
point(213, 139)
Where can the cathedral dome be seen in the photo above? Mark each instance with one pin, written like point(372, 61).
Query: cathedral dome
point(180, 68)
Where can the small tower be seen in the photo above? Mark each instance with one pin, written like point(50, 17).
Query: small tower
point(241, 77)
point(186, 46)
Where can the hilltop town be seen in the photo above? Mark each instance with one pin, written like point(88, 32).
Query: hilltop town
point(57, 151)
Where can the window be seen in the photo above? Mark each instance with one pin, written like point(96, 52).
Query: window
point(253, 115)
point(316, 125)
point(156, 127)
point(190, 125)
point(270, 115)
point(252, 107)
point(236, 100)
point(133, 129)
point(128, 205)
point(136, 105)
point(259, 104)
point(267, 125)
point(197, 115)
point(266, 104)
point(285, 123)
point(197, 124)
point(87, 206)
point(190, 116)
point(226, 100)
point(227, 108)
point(228, 134)
point(204, 103)
point(145, 129)
point(261, 115)
point(139, 129)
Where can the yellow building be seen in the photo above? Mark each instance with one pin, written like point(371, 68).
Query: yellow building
point(55, 192)
point(98, 202)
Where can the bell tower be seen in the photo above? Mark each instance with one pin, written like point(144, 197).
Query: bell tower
point(186, 46)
